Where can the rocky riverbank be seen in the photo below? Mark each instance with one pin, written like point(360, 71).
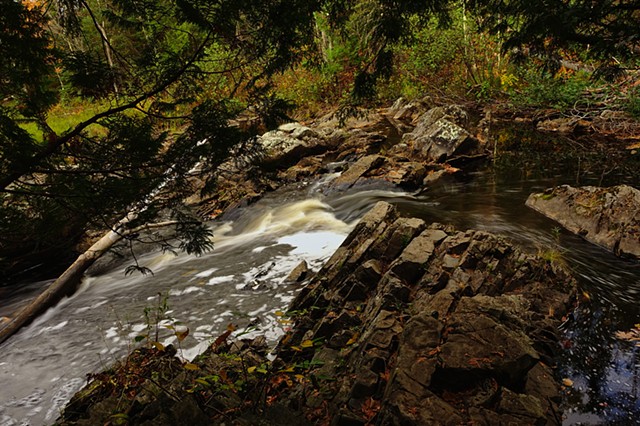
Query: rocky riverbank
point(408, 145)
point(407, 323)
point(609, 217)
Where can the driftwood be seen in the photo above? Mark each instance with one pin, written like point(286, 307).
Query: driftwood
point(68, 282)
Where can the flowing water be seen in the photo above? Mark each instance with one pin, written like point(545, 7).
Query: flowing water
point(243, 282)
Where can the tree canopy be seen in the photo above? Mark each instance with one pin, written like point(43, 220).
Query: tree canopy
point(604, 30)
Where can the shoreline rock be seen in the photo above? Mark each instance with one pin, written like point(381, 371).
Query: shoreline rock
point(608, 217)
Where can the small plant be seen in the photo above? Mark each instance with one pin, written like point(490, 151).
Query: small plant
point(561, 92)
point(548, 196)
point(156, 318)
point(554, 254)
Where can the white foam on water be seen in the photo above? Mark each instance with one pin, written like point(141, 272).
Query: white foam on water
point(242, 279)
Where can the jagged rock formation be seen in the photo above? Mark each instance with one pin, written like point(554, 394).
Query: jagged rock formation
point(406, 324)
point(609, 217)
point(432, 326)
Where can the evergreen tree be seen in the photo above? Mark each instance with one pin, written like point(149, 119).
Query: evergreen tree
point(150, 63)
point(606, 31)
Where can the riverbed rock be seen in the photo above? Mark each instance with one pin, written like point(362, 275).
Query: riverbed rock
point(440, 134)
point(357, 170)
point(563, 125)
point(368, 151)
point(609, 217)
point(403, 114)
point(289, 143)
point(299, 273)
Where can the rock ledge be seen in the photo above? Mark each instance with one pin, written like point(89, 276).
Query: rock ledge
point(406, 324)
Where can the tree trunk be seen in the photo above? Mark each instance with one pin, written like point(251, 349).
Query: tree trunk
point(66, 284)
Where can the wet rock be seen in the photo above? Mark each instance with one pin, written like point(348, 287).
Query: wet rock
point(433, 176)
point(409, 265)
point(397, 237)
point(542, 384)
point(299, 273)
point(406, 324)
point(519, 405)
point(462, 333)
point(408, 175)
point(609, 217)
point(365, 384)
point(365, 150)
point(480, 342)
point(358, 170)
point(308, 167)
point(369, 272)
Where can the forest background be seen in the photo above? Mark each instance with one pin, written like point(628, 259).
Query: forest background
point(106, 106)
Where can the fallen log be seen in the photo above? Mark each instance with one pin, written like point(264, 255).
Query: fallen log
point(67, 283)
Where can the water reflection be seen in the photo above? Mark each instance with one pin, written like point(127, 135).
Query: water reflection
point(603, 369)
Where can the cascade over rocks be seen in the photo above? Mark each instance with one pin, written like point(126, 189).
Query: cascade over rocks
point(406, 324)
point(374, 150)
point(291, 154)
point(609, 217)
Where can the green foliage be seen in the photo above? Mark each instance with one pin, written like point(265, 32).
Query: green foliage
point(27, 65)
point(456, 60)
point(539, 89)
point(149, 62)
point(89, 74)
point(197, 65)
point(632, 103)
point(605, 30)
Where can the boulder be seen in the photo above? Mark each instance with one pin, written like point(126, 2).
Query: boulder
point(440, 134)
point(358, 170)
point(279, 146)
point(299, 131)
point(443, 326)
point(609, 217)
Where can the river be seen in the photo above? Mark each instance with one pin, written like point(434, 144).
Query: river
point(242, 281)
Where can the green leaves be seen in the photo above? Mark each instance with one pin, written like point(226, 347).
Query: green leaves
point(88, 73)
point(601, 30)
point(26, 68)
